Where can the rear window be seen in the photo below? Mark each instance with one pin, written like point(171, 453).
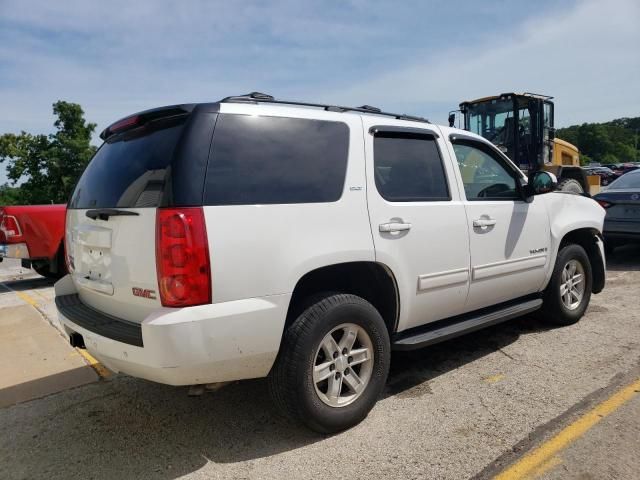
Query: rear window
point(408, 168)
point(130, 169)
point(628, 180)
point(269, 160)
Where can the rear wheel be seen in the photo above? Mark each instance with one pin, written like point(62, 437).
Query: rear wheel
point(45, 271)
point(570, 185)
point(333, 364)
point(567, 296)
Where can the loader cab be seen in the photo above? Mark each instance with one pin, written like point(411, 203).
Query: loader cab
point(520, 125)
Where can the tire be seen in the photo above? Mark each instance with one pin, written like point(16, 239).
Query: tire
point(304, 347)
point(554, 308)
point(570, 185)
point(46, 272)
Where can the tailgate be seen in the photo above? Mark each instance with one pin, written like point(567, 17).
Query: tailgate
point(113, 261)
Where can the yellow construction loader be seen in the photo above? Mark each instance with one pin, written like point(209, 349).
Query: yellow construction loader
point(521, 126)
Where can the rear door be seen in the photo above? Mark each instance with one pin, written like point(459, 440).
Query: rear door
point(417, 219)
point(111, 217)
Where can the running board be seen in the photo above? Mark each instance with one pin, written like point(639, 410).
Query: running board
point(444, 330)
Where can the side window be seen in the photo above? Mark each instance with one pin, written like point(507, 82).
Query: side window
point(271, 160)
point(484, 176)
point(408, 168)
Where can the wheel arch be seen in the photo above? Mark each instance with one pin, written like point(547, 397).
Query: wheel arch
point(591, 240)
point(373, 281)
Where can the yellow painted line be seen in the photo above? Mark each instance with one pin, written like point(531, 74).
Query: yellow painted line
point(534, 461)
point(27, 298)
point(95, 364)
point(546, 466)
point(494, 378)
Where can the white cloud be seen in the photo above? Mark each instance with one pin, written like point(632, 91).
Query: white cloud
point(587, 58)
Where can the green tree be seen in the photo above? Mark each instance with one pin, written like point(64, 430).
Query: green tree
point(49, 165)
point(9, 195)
point(609, 142)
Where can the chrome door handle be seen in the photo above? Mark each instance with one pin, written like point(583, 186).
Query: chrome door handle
point(394, 227)
point(484, 222)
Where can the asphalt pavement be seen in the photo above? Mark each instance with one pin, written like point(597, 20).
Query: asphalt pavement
point(473, 407)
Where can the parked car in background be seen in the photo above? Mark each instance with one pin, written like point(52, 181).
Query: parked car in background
point(622, 168)
point(606, 174)
point(34, 234)
point(621, 200)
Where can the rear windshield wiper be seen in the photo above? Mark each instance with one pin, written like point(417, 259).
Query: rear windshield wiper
point(105, 213)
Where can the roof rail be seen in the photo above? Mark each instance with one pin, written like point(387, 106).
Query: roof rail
point(257, 97)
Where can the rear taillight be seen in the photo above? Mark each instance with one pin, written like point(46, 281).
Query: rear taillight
point(604, 204)
point(182, 257)
point(9, 227)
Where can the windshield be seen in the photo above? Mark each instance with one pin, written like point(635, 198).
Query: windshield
point(628, 180)
point(492, 119)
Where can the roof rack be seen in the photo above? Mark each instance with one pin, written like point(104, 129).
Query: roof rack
point(257, 97)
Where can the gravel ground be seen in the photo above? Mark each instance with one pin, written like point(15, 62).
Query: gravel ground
point(449, 411)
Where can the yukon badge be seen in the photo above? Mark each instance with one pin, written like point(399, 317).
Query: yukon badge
point(538, 250)
point(144, 293)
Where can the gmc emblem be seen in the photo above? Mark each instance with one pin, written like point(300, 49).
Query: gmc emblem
point(144, 293)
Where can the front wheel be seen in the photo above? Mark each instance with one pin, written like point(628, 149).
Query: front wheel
point(567, 296)
point(570, 185)
point(333, 364)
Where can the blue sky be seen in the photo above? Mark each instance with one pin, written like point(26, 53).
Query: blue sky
point(418, 57)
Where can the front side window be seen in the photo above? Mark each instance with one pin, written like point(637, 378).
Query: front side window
point(408, 168)
point(276, 160)
point(484, 176)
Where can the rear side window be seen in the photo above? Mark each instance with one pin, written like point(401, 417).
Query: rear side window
point(269, 160)
point(130, 169)
point(408, 168)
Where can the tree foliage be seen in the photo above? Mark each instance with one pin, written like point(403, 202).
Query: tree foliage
point(47, 166)
point(611, 142)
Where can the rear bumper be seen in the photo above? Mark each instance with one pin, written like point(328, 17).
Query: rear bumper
point(626, 231)
point(14, 250)
point(621, 228)
point(185, 346)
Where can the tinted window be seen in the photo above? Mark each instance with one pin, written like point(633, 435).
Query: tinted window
point(628, 180)
point(266, 160)
point(408, 168)
point(129, 169)
point(484, 176)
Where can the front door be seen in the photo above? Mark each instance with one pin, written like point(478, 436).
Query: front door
point(509, 238)
point(417, 219)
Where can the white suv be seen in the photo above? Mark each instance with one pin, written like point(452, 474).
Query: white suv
point(301, 242)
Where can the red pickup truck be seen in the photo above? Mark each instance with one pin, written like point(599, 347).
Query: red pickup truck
point(35, 234)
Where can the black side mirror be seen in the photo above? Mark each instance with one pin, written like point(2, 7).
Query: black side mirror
point(452, 119)
point(552, 133)
point(540, 182)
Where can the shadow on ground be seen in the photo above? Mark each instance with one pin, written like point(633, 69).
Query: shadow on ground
point(624, 258)
point(34, 283)
point(129, 428)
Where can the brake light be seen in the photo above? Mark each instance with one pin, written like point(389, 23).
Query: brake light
point(182, 257)
point(124, 124)
point(604, 204)
point(9, 227)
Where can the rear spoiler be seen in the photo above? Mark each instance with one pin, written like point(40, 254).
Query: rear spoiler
point(139, 119)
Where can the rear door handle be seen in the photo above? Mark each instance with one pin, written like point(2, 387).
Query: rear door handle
point(394, 227)
point(484, 222)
